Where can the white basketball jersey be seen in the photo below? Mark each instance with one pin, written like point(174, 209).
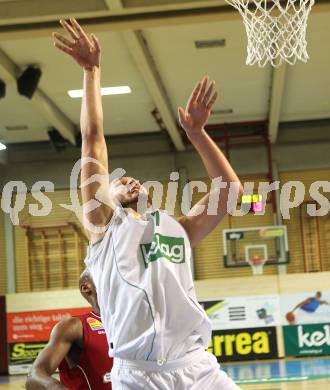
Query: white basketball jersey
point(141, 270)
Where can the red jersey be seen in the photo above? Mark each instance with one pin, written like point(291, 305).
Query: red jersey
point(92, 371)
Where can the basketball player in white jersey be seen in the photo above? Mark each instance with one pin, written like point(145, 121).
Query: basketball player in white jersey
point(156, 330)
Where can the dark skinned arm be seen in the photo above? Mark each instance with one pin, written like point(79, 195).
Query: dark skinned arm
point(64, 334)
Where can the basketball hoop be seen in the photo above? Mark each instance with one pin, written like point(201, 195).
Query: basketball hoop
point(257, 265)
point(276, 30)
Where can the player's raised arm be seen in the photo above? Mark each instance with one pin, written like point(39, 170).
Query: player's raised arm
point(193, 119)
point(64, 334)
point(86, 51)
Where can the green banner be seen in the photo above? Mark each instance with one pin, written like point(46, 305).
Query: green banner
point(302, 340)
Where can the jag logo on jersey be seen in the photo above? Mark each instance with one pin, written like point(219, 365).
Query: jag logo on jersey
point(170, 248)
point(95, 324)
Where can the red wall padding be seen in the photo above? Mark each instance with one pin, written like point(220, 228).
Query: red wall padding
point(3, 337)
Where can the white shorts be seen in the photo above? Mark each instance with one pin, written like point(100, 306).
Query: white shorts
point(200, 371)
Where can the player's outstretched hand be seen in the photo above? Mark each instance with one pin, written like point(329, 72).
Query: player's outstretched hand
point(84, 49)
point(198, 109)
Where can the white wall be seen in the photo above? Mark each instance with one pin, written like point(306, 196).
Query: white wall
point(156, 164)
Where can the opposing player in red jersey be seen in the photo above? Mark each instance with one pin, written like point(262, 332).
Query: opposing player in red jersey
point(79, 348)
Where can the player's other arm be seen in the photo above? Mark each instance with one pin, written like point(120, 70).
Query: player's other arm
point(64, 334)
point(86, 51)
point(193, 119)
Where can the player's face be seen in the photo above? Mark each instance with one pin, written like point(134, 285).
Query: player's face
point(127, 191)
point(88, 289)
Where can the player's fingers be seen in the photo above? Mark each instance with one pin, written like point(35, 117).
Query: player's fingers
point(194, 94)
point(208, 93)
point(62, 39)
point(202, 90)
point(69, 29)
point(79, 30)
point(96, 42)
point(63, 48)
point(182, 115)
point(213, 100)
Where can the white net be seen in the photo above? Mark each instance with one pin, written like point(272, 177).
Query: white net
point(276, 30)
point(257, 265)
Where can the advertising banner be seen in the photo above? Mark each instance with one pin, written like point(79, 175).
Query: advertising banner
point(244, 344)
point(28, 333)
point(244, 328)
point(305, 308)
point(306, 320)
point(306, 340)
point(243, 312)
point(3, 337)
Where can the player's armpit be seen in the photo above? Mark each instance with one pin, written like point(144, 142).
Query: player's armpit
point(200, 222)
point(64, 334)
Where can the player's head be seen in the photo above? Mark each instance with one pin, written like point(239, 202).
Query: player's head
point(87, 289)
point(318, 294)
point(127, 191)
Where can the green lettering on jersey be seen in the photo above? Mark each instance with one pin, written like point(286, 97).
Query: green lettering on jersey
point(170, 248)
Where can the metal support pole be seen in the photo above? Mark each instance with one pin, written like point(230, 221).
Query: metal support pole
point(10, 254)
point(277, 217)
point(183, 180)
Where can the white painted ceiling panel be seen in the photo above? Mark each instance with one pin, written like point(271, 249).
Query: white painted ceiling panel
point(243, 89)
point(122, 113)
point(307, 90)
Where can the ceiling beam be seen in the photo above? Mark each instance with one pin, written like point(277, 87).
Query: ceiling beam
point(143, 6)
point(137, 21)
point(40, 10)
point(144, 62)
point(114, 5)
point(41, 101)
point(162, 3)
point(124, 22)
point(277, 91)
point(109, 4)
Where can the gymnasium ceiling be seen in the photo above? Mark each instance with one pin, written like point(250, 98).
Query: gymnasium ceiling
point(149, 45)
